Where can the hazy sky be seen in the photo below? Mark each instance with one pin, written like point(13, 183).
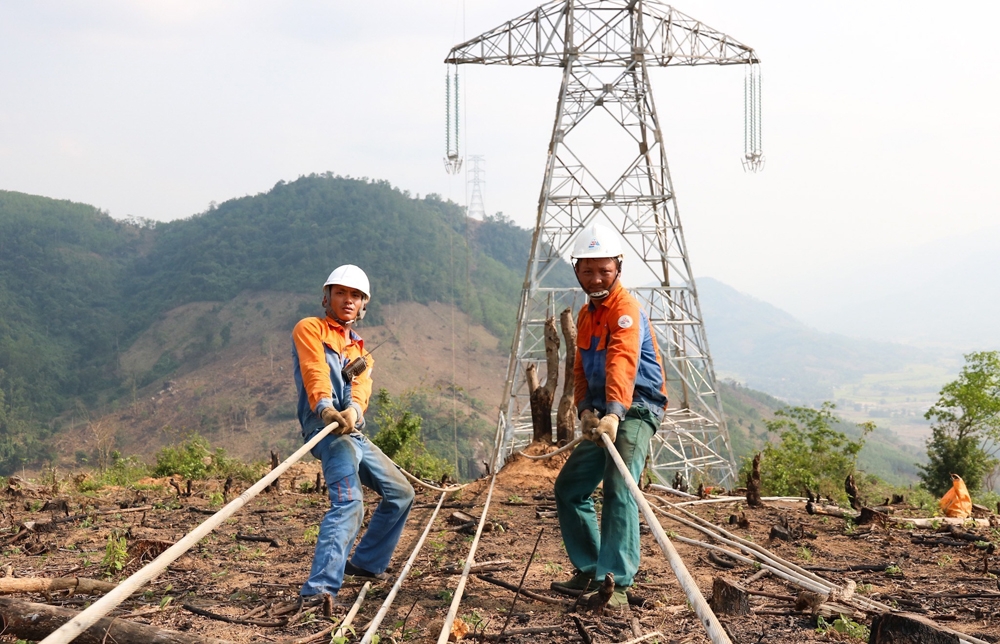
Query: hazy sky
point(880, 118)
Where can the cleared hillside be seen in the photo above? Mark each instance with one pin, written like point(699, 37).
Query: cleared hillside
point(78, 288)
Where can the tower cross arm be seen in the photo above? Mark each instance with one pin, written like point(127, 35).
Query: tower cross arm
point(610, 33)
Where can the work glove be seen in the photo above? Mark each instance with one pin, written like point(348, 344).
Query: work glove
point(609, 426)
point(345, 419)
point(588, 423)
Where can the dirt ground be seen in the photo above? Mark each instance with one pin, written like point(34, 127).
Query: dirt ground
point(257, 580)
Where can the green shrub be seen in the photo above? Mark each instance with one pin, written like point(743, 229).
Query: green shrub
point(195, 459)
point(399, 437)
point(809, 455)
point(115, 554)
point(845, 626)
point(123, 471)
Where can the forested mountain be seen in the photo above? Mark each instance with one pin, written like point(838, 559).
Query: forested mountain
point(181, 327)
point(77, 287)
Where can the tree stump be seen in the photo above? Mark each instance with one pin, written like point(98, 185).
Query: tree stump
point(871, 515)
point(906, 628)
point(779, 532)
point(852, 491)
point(729, 598)
point(679, 482)
point(753, 484)
point(275, 486)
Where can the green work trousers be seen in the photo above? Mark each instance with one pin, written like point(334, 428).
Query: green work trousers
point(615, 547)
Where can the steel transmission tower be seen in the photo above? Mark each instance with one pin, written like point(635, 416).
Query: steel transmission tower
point(606, 163)
point(477, 209)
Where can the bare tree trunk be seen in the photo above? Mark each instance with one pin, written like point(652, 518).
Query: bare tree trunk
point(541, 407)
point(541, 397)
point(566, 415)
point(551, 356)
point(852, 491)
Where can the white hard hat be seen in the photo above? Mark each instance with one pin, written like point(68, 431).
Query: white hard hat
point(350, 276)
point(597, 241)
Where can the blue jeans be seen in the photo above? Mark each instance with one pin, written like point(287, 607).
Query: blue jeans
point(348, 463)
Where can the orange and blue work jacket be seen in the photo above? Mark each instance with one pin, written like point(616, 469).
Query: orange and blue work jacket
point(617, 360)
point(320, 350)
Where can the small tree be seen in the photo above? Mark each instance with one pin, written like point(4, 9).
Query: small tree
point(399, 438)
point(810, 453)
point(966, 431)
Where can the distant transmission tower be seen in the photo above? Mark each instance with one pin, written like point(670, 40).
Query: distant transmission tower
point(606, 162)
point(476, 208)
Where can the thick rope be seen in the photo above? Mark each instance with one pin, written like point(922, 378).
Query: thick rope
point(450, 488)
point(449, 619)
point(377, 620)
point(346, 623)
point(568, 446)
point(701, 608)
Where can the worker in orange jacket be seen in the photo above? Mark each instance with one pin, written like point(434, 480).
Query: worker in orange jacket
point(321, 349)
point(619, 390)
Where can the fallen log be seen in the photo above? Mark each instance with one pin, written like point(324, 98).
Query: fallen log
point(937, 522)
point(10, 585)
point(830, 511)
point(933, 522)
point(948, 541)
point(871, 515)
point(35, 622)
point(958, 533)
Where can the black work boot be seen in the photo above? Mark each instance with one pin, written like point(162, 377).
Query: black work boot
point(361, 573)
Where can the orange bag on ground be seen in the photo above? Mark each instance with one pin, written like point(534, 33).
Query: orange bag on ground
point(956, 502)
